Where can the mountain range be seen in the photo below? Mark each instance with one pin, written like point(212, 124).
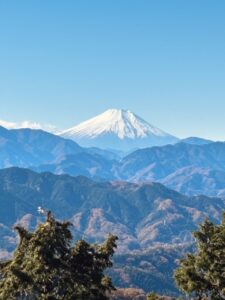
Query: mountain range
point(27, 147)
point(115, 129)
point(189, 168)
point(145, 217)
point(192, 166)
point(141, 214)
point(152, 198)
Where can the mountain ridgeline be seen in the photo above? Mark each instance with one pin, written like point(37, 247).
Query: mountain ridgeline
point(153, 223)
point(27, 147)
point(142, 215)
point(151, 198)
point(192, 166)
point(188, 168)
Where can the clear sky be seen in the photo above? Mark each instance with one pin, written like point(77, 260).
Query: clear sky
point(63, 61)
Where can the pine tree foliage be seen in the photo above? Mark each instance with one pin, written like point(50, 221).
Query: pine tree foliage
point(46, 265)
point(152, 296)
point(203, 274)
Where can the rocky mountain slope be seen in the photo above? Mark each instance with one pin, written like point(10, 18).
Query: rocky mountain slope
point(153, 223)
point(141, 215)
point(150, 270)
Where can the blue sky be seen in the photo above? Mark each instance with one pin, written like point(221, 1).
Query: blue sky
point(64, 61)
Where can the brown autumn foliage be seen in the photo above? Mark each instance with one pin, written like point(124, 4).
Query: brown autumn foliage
point(128, 294)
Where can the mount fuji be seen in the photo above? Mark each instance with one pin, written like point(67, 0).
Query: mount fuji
point(120, 130)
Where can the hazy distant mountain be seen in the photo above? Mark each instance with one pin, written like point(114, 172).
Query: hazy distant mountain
point(27, 147)
point(196, 181)
point(108, 154)
point(158, 162)
point(118, 129)
point(87, 164)
point(195, 141)
point(192, 167)
point(189, 168)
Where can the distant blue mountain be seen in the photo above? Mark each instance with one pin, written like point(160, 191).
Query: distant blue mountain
point(27, 147)
point(193, 166)
point(195, 141)
point(38, 149)
point(189, 168)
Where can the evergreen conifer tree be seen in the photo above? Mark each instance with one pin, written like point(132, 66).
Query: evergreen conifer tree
point(203, 274)
point(46, 265)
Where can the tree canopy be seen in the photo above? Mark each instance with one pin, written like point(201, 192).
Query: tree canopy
point(46, 265)
point(203, 274)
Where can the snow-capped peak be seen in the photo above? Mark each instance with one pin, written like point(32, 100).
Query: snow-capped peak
point(114, 124)
point(123, 123)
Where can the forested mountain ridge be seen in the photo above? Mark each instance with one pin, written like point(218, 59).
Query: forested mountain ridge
point(142, 215)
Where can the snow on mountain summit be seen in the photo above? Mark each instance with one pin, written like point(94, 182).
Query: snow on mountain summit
point(117, 129)
point(123, 123)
